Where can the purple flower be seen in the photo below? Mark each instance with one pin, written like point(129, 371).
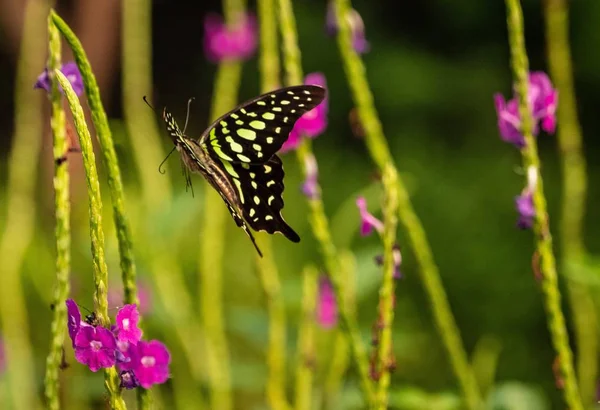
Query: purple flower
point(151, 364)
point(310, 187)
point(542, 100)
point(367, 221)
point(524, 205)
point(221, 43)
point(127, 324)
point(125, 355)
point(128, 380)
point(327, 307)
point(397, 255)
point(70, 70)
point(312, 123)
point(357, 27)
point(73, 319)
point(95, 347)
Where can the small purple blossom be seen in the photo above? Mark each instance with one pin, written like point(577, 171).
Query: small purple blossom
point(327, 306)
point(367, 221)
point(397, 256)
point(73, 319)
point(95, 347)
point(313, 123)
point(221, 43)
point(125, 355)
point(310, 187)
point(151, 364)
point(70, 70)
point(357, 28)
point(524, 205)
point(542, 100)
point(127, 324)
point(128, 380)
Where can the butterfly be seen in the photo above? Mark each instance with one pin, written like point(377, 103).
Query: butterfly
point(236, 154)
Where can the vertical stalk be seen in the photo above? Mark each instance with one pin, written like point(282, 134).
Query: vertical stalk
point(318, 219)
point(429, 273)
point(212, 242)
point(386, 293)
point(306, 340)
point(136, 54)
point(340, 360)
point(63, 225)
point(543, 238)
point(267, 269)
point(96, 232)
point(574, 179)
point(136, 57)
point(20, 209)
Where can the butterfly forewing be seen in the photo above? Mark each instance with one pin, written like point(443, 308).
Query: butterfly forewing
point(256, 130)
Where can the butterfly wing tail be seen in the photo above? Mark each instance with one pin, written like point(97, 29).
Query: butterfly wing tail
point(287, 231)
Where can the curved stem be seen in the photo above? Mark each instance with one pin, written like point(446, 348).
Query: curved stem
point(109, 156)
point(543, 238)
point(111, 378)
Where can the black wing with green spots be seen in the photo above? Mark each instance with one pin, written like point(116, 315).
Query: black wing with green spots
point(236, 154)
point(256, 130)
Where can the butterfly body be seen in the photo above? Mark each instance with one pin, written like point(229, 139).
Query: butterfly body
point(237, 156)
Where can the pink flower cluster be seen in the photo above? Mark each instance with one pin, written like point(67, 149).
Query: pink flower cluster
point(140, 363)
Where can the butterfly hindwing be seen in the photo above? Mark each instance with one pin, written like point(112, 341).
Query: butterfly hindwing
point(256, 130)
point(260, 188)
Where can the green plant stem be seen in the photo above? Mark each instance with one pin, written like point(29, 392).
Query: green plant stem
point(574, 180)
point(96, 231)
point(339, 362)
point(386, 293)
point(136, 55)
point(276, 350)
point(318, 219)
point(63, 226)
point(543, 238)
point(269, 54)
point(20, 210)
point(111, 162)
point(141, 124)
point(429, 273)
point(306, 340)
point(267, 269)
point(212, 240)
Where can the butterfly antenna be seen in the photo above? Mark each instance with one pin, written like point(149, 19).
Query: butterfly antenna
point(148, 104)
point(187, 116)
point(162, 171)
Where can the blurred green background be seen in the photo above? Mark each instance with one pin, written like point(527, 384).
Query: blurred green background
point(433, 68)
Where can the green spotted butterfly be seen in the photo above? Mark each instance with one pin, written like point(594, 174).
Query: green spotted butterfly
point(237, 155)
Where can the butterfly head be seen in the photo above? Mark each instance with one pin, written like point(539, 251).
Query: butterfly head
point(173, 129)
